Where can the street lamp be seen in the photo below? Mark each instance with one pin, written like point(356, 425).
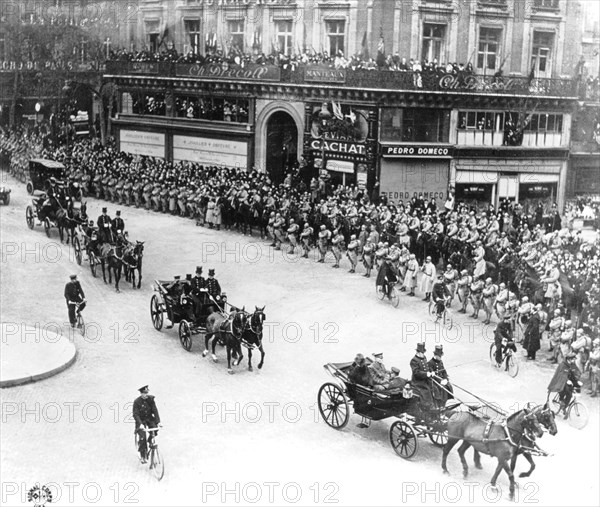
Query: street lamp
point(70, 86)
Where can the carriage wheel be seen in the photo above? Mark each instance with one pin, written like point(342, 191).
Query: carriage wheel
point(439, 432)
point(578, 415)
point(185, 335)
point(156, 313)
point(93, 265)
point(77, 248)
point(404, 439)
point(29, 217)
point(333, 405)
point(512, 365)
point(47, 227)
point(380, 292)
point(395, 297)
point(448, 323)
point(29, 187)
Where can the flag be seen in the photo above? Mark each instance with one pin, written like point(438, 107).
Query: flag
point(365, 47)
point(337, 110)
point(381, 45)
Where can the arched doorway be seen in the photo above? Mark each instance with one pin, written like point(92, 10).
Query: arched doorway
point(282, 145)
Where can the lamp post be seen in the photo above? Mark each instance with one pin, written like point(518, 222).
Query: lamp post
point(71, 86)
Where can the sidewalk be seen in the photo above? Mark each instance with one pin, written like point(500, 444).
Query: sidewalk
point(29, 354)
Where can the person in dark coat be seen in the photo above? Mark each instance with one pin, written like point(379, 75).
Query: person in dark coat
point(212, 284)
point(118, 225)
point(532, 339)
point(503, 332)
point(421, 375)
point(386, 277)
point(146, 416)
point(359, 372)
point(198, 291)
point(436, 365)
point(104, 224)
point(566, 379)
point(74, 294)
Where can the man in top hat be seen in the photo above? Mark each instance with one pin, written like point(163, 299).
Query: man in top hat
point(443, 391)
point(198, 291)
point(212, 284)
point(74, 296)
point(118, 225)
point(104, 223)
point(421, 376)
point(146, 416)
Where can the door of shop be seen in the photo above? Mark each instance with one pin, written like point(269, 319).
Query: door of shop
point(508, 189)
point(282, 150)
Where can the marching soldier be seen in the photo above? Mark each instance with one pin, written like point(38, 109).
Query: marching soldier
point(475, 295)
point(410, 278)
point(380, 254)
point(278, 225)
point(402, 232)
point(119, 194)
point(501, 301)
point(450, 279)
point(463, 288)
point(337, 244)
point(323, 242)
point(136, 191)
point(429, 276)
point(352, 253)
point(394, 257)
point(368, 254)
point(147, 191)
point(292, 234)
point(489, 295)
point(363, 236)
point(556, 328)
point(403, 264)
point(414, 226)
point(271, 229)
point(479, 259)
point(305, 237)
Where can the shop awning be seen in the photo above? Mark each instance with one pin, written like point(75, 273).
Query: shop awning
point(340, 166)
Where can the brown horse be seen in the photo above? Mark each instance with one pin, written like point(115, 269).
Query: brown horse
point(498, 439)
point(228, 330)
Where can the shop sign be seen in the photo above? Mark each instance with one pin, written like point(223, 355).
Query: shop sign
point(250, 72)
point(143, 67)
point(213, 152)
point(314, 74)
point(138, 142)
point(403, 180)
point(417, 151)
point(338, 147)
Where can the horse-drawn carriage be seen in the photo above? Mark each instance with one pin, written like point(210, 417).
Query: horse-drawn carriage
point(173, 299)
point(57, 212)
point(414, 420)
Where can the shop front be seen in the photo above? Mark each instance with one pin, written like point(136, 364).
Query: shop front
point(139, 142)
point(340, 162)
point(409, 171)
point(584, 175)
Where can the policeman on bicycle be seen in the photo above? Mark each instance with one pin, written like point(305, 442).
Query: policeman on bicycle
point(503, 338)
point(441, 295)
point(146, 416)
point(75, 299)
point(566, 379)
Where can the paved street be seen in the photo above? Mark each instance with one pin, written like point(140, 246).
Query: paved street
point(259, 430)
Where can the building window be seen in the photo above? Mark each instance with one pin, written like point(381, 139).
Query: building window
point(489, 46)
point(212, 109)
point(236, 35)
point(284, 37)
point(152, 35)
point(433, 42)
point(426, 125)
point(480, 128)
point(541, 52)
point(2, 46)
point(336, 35)
point(192, 35)
point(545, 4)
point(149, 104)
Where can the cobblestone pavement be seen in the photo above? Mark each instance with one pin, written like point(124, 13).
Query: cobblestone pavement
point(252, 437)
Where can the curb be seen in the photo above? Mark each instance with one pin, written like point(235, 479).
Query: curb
point(40, 376)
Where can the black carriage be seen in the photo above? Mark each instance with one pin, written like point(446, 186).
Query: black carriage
point(5, 195)
point(413, 422)
point(167, 300)
point(40, 172)
point(33, 211)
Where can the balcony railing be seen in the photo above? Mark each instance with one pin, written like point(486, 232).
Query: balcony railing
point(358, 78)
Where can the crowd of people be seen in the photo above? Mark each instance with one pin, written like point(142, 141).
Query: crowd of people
point(411, 241)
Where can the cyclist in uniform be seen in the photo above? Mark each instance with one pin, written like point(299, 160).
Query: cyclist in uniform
point(503, 338)
point(74, 296)
point(441, 295)
point(566, 379)
point(146, 415)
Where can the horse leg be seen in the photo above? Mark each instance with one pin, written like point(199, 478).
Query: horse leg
point(207, 338)
point(529, 458)
point(262, 356)
point(229, 370)
point(238, 349)
point(477, 459)
point(447, 448)
point(103, 270)
point(250, 360)
point(511, 477)
point(461, 452)
point(496, 473)
point(140, 274)
point(216, 338)
point(117, 277)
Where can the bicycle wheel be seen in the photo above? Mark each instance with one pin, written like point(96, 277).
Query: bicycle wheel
point(493, 355)
point(81, 324)
point(77, 249)
point(447, 318)
point(555, 404)
point(578, 415)
point(157, 464)
point(395, 297)
point(380, 292)
point(512, 365)
point(431, 310)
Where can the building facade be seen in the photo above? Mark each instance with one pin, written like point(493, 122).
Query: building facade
point(493, 121)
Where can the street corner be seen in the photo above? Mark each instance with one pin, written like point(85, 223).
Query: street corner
point(31, 353)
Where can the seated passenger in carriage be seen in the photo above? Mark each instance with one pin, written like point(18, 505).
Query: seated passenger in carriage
point(379, 374)
point(359, 372)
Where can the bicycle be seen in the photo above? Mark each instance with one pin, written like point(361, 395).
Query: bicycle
point(509, 359)
point(156, 463)
point(80, 323)
point(576, 412)
point(394, 295)
point(445, 318)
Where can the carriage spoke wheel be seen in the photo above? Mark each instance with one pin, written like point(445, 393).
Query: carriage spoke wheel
point(29, 217)
point(47, 227)
point(439, 432)
point(157, 464)
point(380, 292)
point(77, 248)
point(333, 405)
point(185, 335)
point(578, 415)
point(156, 313)
point(512, 365)
point(404, 439)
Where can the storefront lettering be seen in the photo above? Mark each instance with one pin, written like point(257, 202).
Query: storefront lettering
point(143, 67)
point(417, 151)
point(454, 82)
point(251, 72)
point(408, 195)
point(338, 147)
point(29, 65)
point(325, 75)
